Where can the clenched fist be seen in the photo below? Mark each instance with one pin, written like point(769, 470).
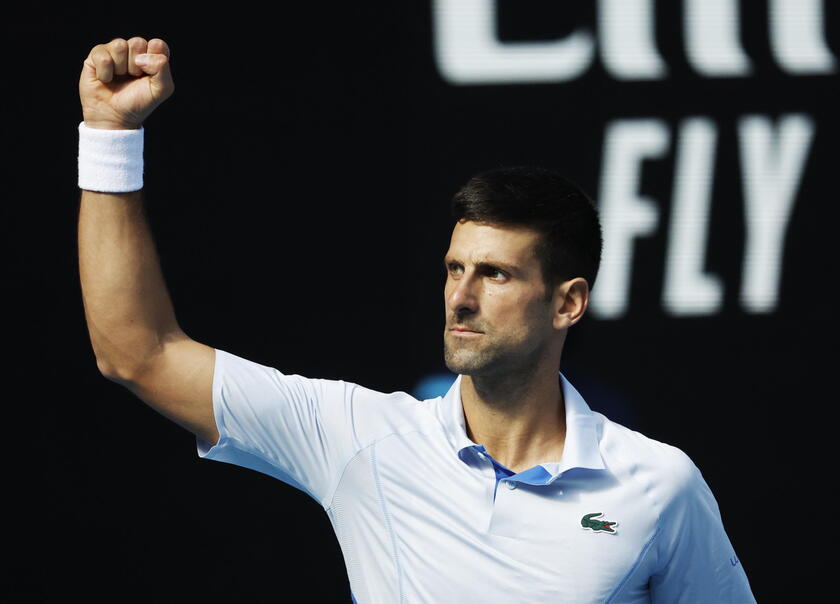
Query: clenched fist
point(123, 81)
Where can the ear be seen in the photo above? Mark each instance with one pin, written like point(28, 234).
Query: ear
point(571, 298)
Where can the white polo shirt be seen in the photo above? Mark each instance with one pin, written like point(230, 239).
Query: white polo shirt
point(416, 508)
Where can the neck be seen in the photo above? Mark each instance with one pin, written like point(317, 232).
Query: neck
point(520, 419)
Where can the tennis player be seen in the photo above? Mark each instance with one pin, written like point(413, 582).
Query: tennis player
point(507, 489)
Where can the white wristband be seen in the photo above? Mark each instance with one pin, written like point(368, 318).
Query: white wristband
point(110, 161)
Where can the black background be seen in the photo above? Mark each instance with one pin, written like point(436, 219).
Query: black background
point(297, 185)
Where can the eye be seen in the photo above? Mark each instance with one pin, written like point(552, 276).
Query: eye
point(493, 273)
point(454, 268)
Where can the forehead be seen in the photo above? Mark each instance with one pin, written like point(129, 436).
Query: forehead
point(483, 242)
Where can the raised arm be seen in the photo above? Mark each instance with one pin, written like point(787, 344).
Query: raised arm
point(129, 313)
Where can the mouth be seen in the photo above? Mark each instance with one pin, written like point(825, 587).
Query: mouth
point(464, 332)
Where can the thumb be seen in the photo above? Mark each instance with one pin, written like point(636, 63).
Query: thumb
point(157, 66)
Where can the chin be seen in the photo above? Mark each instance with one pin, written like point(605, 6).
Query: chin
point(466, 362)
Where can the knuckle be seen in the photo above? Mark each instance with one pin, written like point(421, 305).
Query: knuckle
point(118, 44)
point(160, 43)
point(136, 42)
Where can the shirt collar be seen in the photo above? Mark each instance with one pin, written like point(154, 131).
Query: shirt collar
point(581, 448)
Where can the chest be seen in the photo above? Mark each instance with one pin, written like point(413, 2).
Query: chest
point(453, 526)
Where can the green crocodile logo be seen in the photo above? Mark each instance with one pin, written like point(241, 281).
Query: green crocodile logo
point(598, 526)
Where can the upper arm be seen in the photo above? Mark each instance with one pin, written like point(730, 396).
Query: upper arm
point(698, 562)
point(178, 383)
point(299, 430)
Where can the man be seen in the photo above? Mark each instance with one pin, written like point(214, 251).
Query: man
point(507, 489)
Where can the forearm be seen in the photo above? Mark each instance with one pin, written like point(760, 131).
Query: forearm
point(128, 309)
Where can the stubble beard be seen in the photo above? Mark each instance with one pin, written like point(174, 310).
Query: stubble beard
point(467, 358)
point(490, 360)
point(498, 359)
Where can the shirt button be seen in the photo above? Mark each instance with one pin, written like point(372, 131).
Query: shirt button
point(511, 485)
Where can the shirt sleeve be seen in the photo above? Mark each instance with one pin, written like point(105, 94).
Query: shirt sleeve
point(697, 563)
point(296, 429)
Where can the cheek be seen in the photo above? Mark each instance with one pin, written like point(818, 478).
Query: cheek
point(534, 315)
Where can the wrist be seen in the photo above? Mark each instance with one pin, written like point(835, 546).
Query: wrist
point(104, 118)
point(106, 125)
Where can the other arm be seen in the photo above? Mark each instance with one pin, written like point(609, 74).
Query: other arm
point(698, 564)
point(129, 313)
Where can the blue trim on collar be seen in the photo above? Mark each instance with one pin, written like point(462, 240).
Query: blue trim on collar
point(580, 450)
point(537, 475)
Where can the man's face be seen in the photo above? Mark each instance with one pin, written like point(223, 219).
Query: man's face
point(497, 317)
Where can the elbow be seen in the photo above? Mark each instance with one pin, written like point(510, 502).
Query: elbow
point(106, 368)
point(113, 372)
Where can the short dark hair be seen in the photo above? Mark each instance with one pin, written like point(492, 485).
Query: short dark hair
point(545, 201)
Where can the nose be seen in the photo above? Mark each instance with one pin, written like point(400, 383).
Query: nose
point(461, 296)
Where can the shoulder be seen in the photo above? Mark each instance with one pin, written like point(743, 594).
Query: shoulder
point(248, 388)
point(392, 408)
point(369, 414)
point(668, 470)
